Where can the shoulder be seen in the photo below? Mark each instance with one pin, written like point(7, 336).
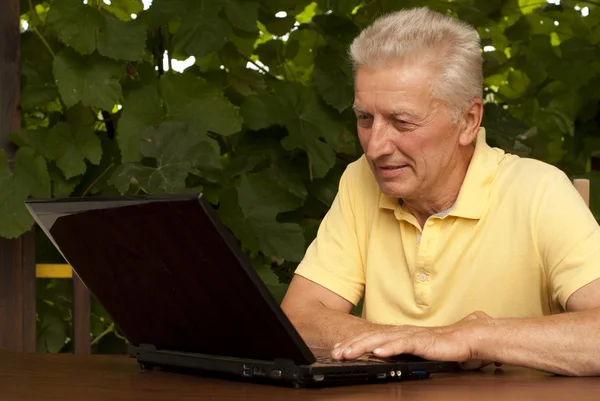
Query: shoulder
point(528, 175)
point(359, 186)
point(528, 185)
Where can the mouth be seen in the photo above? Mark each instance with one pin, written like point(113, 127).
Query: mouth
point(391, 171)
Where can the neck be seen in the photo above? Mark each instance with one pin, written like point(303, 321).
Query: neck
point(442, 194)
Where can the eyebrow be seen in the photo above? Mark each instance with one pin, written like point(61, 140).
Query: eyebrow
point(392, 112)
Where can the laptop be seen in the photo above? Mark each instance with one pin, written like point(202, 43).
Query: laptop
point(178, 286)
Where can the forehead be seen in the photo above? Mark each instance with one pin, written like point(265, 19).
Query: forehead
point(395, 86)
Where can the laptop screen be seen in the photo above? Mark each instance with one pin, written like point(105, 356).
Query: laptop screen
point(170, 275)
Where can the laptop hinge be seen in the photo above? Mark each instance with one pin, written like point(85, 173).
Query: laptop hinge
point(147, 347)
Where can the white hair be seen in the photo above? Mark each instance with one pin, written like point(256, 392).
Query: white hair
point(446, 44)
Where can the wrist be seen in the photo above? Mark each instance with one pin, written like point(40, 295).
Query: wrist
point(479, 337)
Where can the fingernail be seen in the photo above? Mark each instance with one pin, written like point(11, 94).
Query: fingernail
point(378, 350)
point(348, 351)
point(336, 352)
point(337, 345)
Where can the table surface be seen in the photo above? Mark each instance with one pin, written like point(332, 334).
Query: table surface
point(43, 377)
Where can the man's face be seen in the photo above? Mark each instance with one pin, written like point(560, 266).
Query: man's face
point(407, 136)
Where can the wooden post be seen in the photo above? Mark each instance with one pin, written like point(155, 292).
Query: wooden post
point(81, 317)
point(17, 257)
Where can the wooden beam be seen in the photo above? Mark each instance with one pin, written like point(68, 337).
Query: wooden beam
point(17, 257)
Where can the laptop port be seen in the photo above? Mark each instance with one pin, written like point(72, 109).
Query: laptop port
point(258, 371)
point(381, 375)
point(318, 378)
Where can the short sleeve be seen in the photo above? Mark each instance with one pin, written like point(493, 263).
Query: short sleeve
point(333, 259)
point(568, 238)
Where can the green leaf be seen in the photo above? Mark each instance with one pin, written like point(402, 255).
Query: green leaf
point(245, 81)
point(310, 125)
point(124, 8)
point(503, 130)
point(261, 111)
point(554, 122)
point(34, 139)
point(308, 42)
point(333, 79)
point(202, 30)
point(202, 107)
point(38, 87)
point(76, 24)
point(141, 109)
point(51, 334)
point(274, 190)
point(31, 170)
point(15, 218)
point(270, 53)
point(94, 81)
point(61, 187)
point(176, 151)
point(261, 203)
point(528, 6)
point(242, 14)
point(86, 29)
point(70, 144)
point(342, 7)
point(289, 6)
point(338, 31)
point(122, 40)
point(232, 216)
point(518, 82)
point(278, 26)
point(146, 178)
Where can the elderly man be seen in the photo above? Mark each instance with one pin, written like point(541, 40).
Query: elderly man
point(462, 252)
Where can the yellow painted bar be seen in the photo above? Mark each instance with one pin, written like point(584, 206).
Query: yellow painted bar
point(44, 270)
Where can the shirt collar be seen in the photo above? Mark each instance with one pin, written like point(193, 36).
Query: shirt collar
point(475, 190)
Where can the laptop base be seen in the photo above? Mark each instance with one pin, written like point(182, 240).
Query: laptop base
point(284, 372)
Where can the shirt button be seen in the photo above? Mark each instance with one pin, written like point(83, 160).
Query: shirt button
point(418, 239)
point(422, 277)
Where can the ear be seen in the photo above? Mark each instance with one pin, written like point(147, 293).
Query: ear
point(470, 123)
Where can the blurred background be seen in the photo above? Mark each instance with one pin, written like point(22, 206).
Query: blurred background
point(248, 101)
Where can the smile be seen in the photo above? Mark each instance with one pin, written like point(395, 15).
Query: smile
point(391, 171)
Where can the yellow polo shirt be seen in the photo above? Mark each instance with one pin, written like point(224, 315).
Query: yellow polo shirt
point(518, 242)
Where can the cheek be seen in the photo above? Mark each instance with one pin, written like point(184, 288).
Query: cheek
point(363, 137)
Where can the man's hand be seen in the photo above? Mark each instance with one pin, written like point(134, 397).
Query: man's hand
point(449, 343)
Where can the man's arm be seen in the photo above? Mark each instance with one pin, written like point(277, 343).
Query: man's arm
point(321, 316)
point(567, 343)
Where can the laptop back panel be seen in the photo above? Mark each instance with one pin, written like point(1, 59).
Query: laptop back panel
point(171, 275)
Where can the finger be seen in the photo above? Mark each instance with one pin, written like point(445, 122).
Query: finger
point(404, 345)
point(339, 348)
point(364, 345)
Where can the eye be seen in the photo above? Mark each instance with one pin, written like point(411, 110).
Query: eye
point(363, 117)
point(403, 123)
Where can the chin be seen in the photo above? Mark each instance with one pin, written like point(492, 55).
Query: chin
point(395, 190)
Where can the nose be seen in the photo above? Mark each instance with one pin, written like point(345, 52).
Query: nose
point(380, 141)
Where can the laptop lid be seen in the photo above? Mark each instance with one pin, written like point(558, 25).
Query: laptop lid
point(170, 274)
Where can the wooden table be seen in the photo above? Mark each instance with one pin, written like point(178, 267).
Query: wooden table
point(27, 377)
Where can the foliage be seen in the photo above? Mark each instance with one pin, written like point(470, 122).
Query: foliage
point(261, 122)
